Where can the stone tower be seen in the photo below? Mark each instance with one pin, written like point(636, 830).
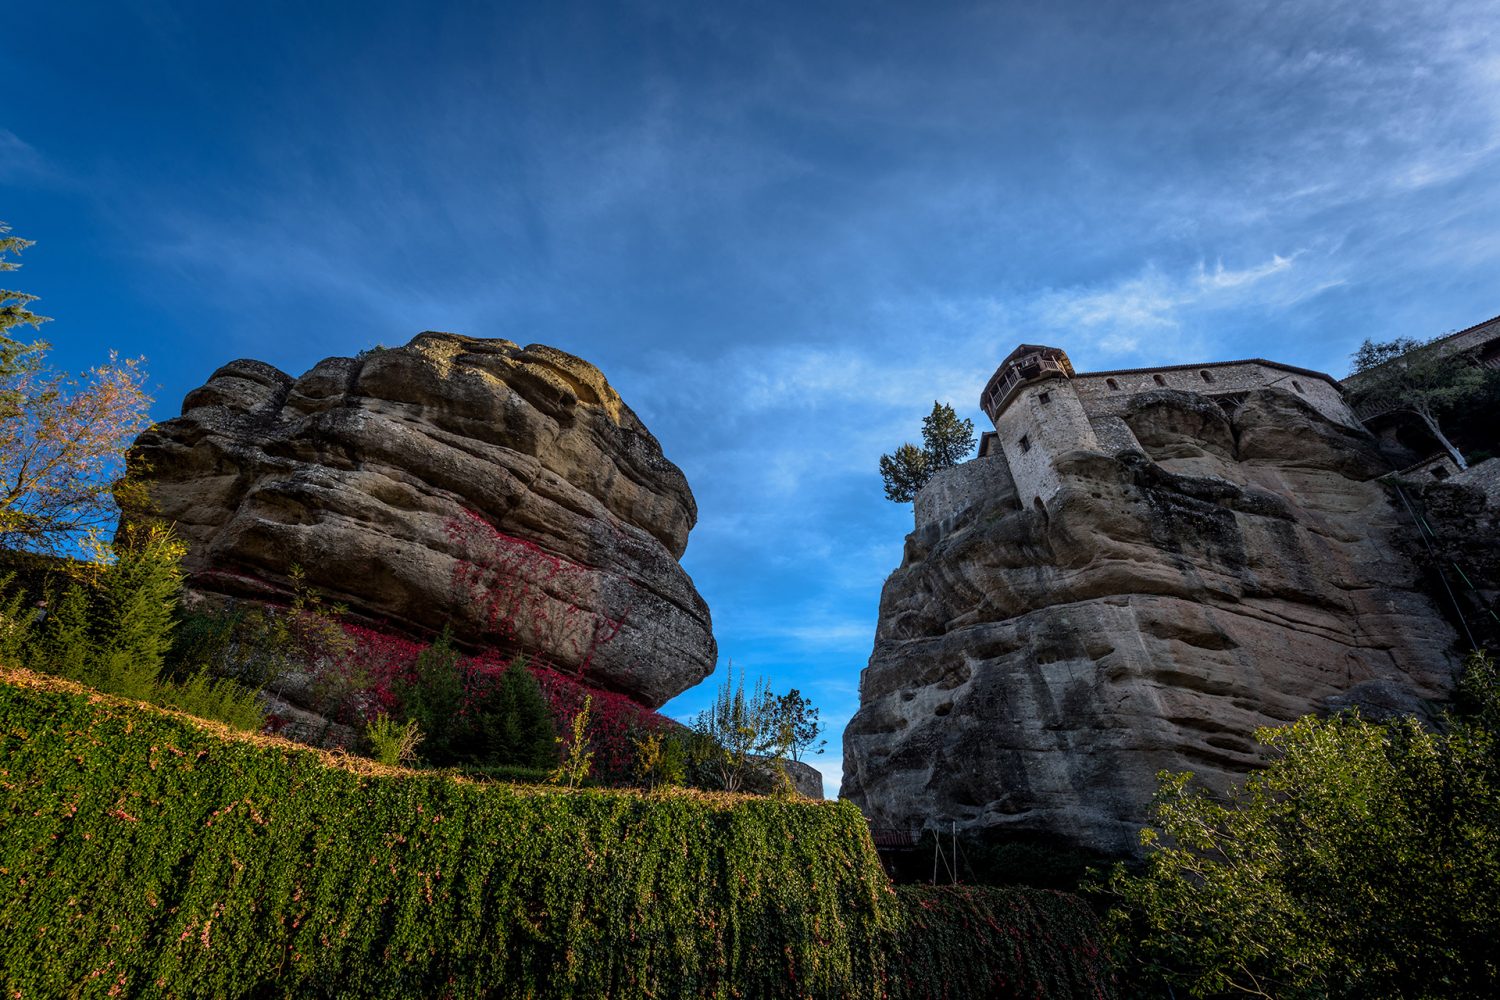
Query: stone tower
point(1038, 416)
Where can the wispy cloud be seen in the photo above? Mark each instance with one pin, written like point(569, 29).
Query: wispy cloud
point(1152, 303)
point(856, 635)
point(19, 160)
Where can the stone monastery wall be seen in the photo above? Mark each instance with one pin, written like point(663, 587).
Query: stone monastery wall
point(954, 490)
point(1048, 416)
point(1105, 393)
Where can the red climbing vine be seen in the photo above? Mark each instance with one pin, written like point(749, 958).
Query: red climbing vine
point(527, 598)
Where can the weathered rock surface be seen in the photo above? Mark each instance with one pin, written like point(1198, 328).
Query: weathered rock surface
point(1032, 671)
point(506, 491)
point(1459, 547)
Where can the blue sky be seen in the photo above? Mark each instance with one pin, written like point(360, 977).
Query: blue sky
point(782, 230)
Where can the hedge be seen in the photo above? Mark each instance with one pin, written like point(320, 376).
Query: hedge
point(144, 853)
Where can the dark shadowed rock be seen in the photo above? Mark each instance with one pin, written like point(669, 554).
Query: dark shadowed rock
point(506, 491)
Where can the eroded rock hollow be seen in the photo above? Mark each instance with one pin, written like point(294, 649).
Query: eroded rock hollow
point(505, 491)
point(1035, 665)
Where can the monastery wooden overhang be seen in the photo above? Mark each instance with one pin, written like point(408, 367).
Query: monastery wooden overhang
point(1026, 363)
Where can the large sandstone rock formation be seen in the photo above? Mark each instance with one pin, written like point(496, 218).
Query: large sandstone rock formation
point(505, 491)
point(1034, 669)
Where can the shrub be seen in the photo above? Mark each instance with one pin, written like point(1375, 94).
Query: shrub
point(660, 759)
point(258, 644)
point(1363, 861)
point(393, 744)
point(112, 629)
point(615, 723)
point(577, 757)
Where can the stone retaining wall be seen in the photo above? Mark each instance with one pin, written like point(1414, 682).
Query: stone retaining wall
point(953, 490)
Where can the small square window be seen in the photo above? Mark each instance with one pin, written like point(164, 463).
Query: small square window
point(1025, 444)
point(1045, 397)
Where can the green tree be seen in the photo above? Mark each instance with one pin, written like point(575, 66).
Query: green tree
point(946, 440)
point(133, 609)
point(111, 629)
point(434, 697)
point(14, 354)
point(508, 721)
point(1420, 378)
point(798, 727)
point(1363, 861)
point(470, 717)
point(742, 728)
point(904, 473)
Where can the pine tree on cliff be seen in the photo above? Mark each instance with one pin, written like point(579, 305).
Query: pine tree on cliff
point(15, 354)
point(947, 441)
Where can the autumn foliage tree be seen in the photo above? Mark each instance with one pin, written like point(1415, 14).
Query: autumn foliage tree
point(62, 438)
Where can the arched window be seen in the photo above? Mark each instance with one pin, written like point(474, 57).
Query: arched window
point(1113, 385)
point(1296, 385)
point(1159, 380)
point(1206, 375)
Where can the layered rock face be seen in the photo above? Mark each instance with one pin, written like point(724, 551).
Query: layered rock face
point(505, 491)
point(1033, 669)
